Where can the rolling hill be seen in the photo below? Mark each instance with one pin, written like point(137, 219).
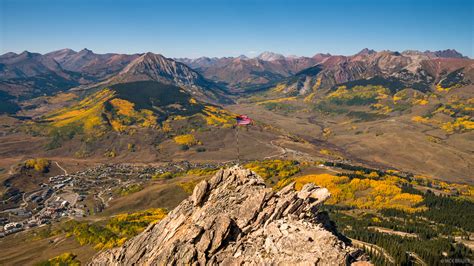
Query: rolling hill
point(126, 112)
point(124, 105)
point(156, 67)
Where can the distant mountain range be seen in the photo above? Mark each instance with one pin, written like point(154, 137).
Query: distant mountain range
point(28, 75)
point(243, 74)
point(99, 66)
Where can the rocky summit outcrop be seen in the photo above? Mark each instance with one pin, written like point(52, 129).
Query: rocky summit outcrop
point(233, 218)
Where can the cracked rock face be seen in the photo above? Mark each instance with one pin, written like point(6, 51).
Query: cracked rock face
point(234, 219)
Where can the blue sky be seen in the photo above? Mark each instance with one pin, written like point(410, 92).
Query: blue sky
point(193, 28)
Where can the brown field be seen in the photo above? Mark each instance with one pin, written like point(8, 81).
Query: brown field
point(395, 143)
point(25, 249)
point(158, 194)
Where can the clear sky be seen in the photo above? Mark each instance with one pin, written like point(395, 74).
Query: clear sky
point(193, 28)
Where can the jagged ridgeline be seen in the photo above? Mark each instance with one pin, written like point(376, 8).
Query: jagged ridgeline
point(234, 219)
point(127, 107)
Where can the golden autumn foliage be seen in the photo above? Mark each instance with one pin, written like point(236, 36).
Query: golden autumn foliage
point(202, 171)
point(420, 102)
point(420, 119)
point(358, 95)
point(396, 98)
point(91, 116)
point(125, 115)
point(115, 232)
point(111, 153)
point(324, 152)
point(327, 132)
point(39, 165)
point(458, 110)
point(361, 193)
point(130, 224)
point(317, 84)
point(165, 175)
point(123, 107)
point(456, 107)
point(312, 95)
point(279, 100)
point(445, 110)
point(188, 186)
point(381, 109)
point(117, 126)
point(460, 124)
point(416, 98)
point(129, 189)
point(166, 127)
point(66, 258)
point(279, 87)
point(330, 153)
point(188, 140)
point(86, 114)
point(410, 96)
point(440, 88)
point(216, 116)
point(148, 118)
point(271, 168)
point(460, 189)
point(82, 109)
point(377, 106)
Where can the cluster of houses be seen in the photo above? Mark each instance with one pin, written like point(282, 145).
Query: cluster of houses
point(39, 207)
point(54, 209)
point(46, 204)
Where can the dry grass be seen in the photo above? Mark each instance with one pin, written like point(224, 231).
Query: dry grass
point(25, 249)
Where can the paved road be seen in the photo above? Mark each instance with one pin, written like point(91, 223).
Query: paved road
point(375, 248)
point(417, 258)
